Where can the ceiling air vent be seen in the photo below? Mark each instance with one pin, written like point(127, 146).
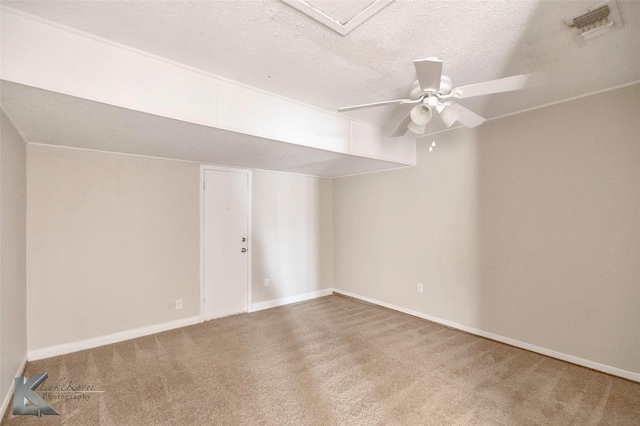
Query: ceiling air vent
point(596, 20)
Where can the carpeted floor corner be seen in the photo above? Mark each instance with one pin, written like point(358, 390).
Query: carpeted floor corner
point(329, 361)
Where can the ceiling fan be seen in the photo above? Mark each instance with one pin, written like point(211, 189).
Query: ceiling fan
point(433, 91)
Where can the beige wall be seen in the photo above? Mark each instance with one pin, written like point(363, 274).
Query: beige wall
point(292, 235)
point(527, 227)
point(13, 310)
point(113, 238)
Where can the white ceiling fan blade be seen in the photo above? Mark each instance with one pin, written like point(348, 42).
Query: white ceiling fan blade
point(516, 82)
point(374, 104)
point(401, 127)
point(466, 116)
point(449, 115)
point(429, 72)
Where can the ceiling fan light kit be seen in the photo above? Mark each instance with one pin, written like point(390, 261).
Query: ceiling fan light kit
point(416, 128)
point(420, 115)
point(434, 92)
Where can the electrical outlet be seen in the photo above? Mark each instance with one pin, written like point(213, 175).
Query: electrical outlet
point(420, 288)
point(266, 282)
point(171, 304)
point(179, 304)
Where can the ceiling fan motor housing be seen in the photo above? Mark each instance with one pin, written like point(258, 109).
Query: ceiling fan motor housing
point(417, 92)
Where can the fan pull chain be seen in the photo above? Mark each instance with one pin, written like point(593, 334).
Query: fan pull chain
point(433, 144)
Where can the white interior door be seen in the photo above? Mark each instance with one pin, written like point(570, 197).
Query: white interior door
point(226, 228)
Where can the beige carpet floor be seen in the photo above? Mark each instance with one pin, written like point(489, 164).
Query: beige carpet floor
point(329, 361)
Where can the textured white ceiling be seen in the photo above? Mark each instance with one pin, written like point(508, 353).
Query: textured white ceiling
point(52, 118)
point(271, 46)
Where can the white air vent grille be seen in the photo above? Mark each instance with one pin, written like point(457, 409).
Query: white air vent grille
point(596, 20)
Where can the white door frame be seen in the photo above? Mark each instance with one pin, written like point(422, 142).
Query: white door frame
point(203, 169)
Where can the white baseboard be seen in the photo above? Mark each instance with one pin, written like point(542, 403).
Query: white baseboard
point(9, 396)
point(291, 299)
point(630, 375)
point(67, 348)
point(145, 331)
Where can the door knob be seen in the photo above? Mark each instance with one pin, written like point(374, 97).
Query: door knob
point(244, 250)
point(244, 239)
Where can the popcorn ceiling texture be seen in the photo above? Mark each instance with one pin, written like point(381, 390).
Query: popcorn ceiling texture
point(271, 46)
